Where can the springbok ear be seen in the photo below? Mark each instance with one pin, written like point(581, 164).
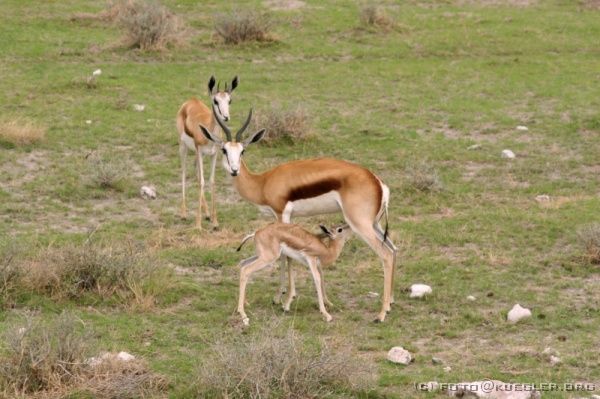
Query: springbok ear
point(209, 135)
point(256, 137)
point(211, 85)
point(325, 230)
point(234, 84)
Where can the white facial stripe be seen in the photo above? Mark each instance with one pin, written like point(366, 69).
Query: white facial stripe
point(221, 101)
point(232, 156)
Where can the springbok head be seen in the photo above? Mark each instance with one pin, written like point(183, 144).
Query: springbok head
point(233, 149)
point(221, 98)
point(341, 232)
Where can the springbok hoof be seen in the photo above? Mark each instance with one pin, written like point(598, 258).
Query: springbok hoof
point(328, 318)
point(246, 321)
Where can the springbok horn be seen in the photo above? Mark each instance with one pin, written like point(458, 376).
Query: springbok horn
point(238, 136)
point(220, 122)
point(226, 86)
point(219, 86)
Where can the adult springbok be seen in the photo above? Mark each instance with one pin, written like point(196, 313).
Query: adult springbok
point(192, 114)
point(277, 239)
point(312, 187)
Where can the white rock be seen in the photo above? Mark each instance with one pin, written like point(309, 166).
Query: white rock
point(447, 369)
point(471, 298)
point(518, 313)
point(97, 72)
point(474, 147)
point(550, 351)
point(139, 107)
point(399, 355)
point(554, 360)
point(125, 357)
point(522, 128)
point(88, 122)
point(419, 290)
point(508, 154)
point(372, 294)
point(148, 192)
point(542, 198)
point(22, 330)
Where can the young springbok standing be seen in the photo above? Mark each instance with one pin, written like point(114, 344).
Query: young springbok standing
point(312, 187)
point(277, 239)
point(192, 114)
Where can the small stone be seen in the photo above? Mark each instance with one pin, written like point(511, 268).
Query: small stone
point(399, 355)
point(436, 360)
point(125, 357)
point(97, 72)
point(554, 360)
point(522, 128)
point(518, 313)
point(88, 122)
point(474, 147)
point(139, 107)
point(471, 298)
point(419, 290)
point(148, 192)
point(542, 198)
point(550, 351)
point(447, 369)
point(508, 154)
point(372, 294)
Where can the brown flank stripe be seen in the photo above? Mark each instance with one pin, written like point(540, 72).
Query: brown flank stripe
point(314, 189)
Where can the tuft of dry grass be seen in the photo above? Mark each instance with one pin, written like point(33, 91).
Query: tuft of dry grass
point(148, 25)
point(10, 275)
point(244, 26)
point(107, 173)
point(51, 359)
point(422, 176)
point(373, 15)
point(20, 131)
point(289, 125)
point(270, 365)
point(590, 239)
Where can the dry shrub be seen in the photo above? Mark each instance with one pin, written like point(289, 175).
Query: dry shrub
point(42, 356)
point(148, 25)
point(244, 26)
point(107, 173)
point(268, 365)
point(50, 359)
point(74, 271)
point(291, 125)
point(372, 15)
point(422, 176)
point(590, 238)
point(21, 131)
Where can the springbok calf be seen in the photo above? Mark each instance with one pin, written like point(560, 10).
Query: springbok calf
point(192, 114)
point(277, 239)
point(312, 187)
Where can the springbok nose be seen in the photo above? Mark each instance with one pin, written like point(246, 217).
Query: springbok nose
point(234, 172)
point(225, 118)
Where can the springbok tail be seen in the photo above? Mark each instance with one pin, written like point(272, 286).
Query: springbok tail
point(249, 236)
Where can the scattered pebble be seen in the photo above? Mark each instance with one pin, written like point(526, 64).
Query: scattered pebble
point(447, 369)
point(399, 355)
point(125, 357)
point(474, 147)
point(554, 360)
point(436, 360)
point(518, 313)
point(542, 198)
point(139, 107)
point(372, 294)
point(508, 154)
point(148, 192)
point(97, 72)
point(522, 128)
point(550, 351)
point(21, 330)
point(419, 290)
point(471, 298)
point(88, 122)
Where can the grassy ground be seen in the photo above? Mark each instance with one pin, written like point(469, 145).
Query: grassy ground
point(448, 75)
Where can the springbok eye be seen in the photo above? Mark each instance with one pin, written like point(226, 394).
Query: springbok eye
point(340, 230)
point(242, 153)
point(224, 151)
point(216, 102)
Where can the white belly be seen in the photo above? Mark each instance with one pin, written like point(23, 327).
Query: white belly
point(209, 149)
point(292, 253)
point(326, 203)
